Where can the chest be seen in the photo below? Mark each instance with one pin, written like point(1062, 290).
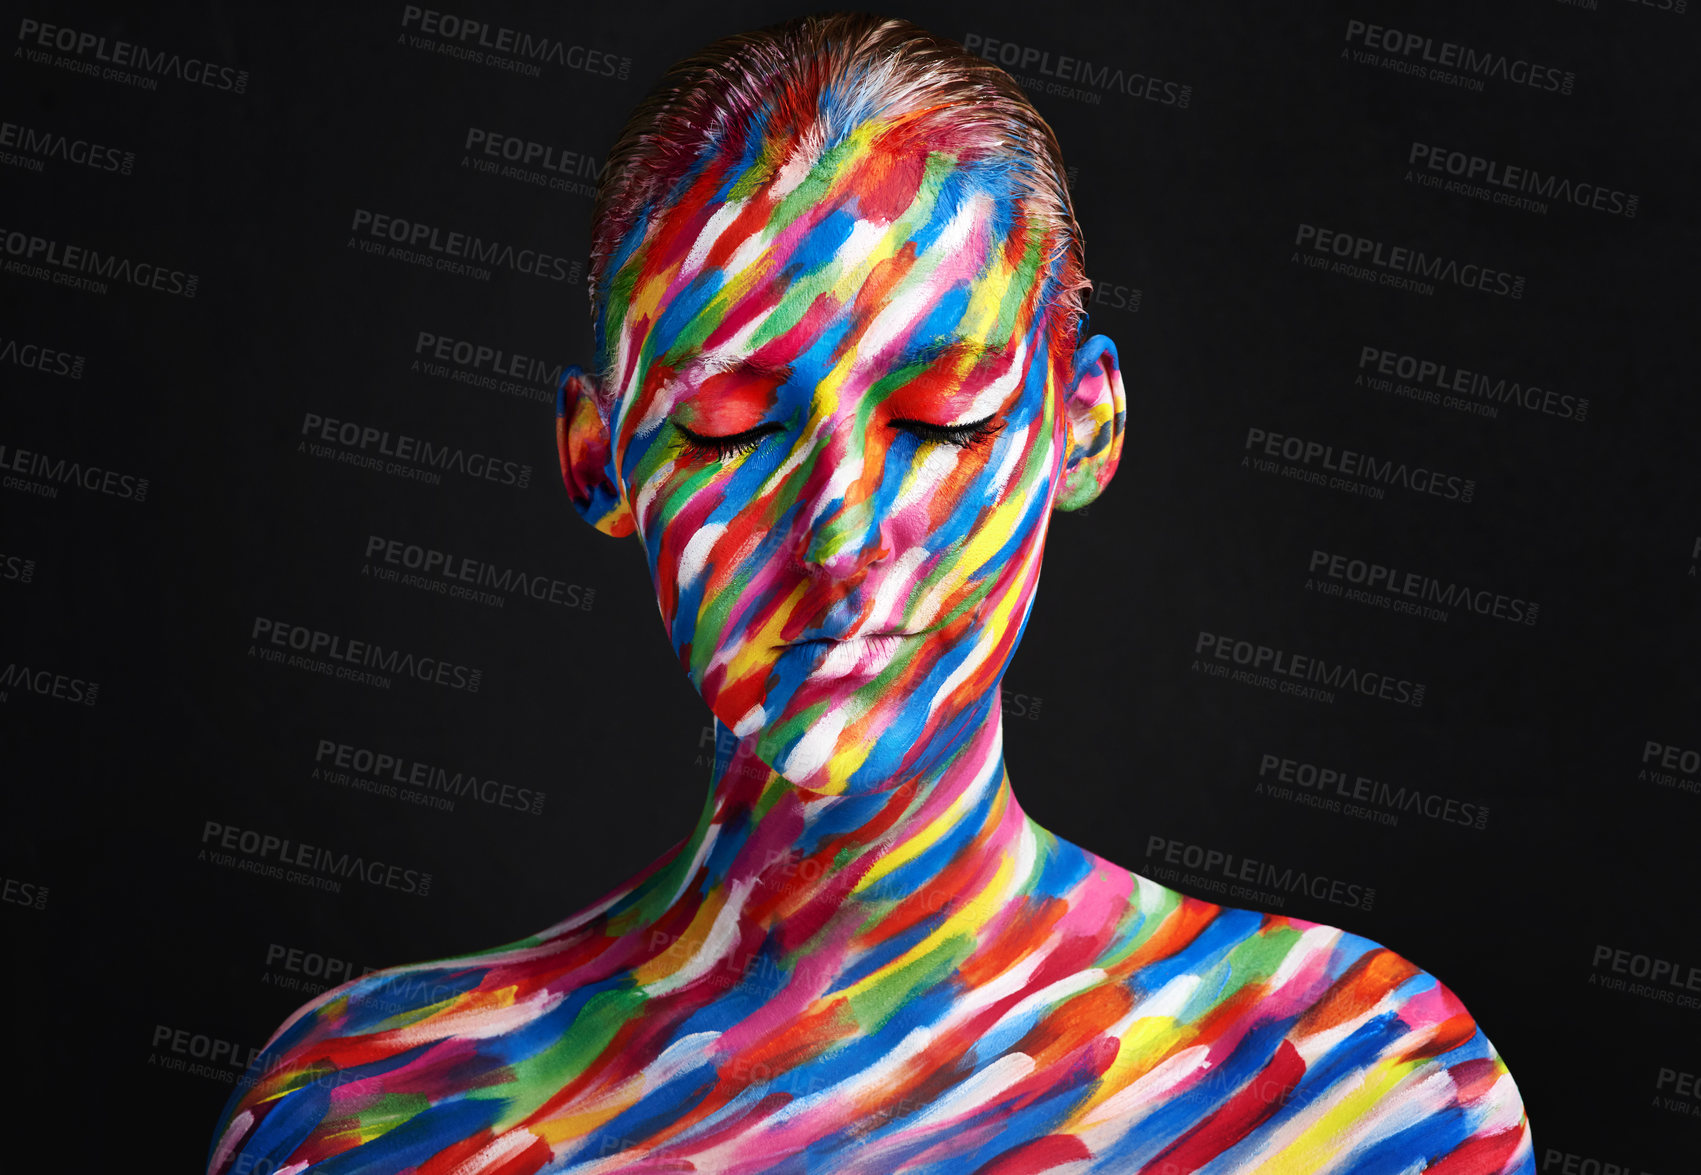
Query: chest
point(853, 1078)
point(920, 1059)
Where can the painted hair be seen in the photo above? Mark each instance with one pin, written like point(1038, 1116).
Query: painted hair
point(753, 98)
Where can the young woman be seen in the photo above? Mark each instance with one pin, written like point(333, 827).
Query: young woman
point(840, 387)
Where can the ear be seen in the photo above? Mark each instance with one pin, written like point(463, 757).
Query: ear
point(1095, 409)
point(587, 456)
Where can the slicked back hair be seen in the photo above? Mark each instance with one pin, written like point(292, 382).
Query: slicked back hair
point(813, 80)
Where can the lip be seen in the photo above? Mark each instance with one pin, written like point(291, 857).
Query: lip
point(854, 656)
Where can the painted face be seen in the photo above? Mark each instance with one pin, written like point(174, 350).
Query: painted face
point(838, 433)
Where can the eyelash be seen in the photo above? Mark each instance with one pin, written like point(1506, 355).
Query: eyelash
point(964, 436)
point(727, 446)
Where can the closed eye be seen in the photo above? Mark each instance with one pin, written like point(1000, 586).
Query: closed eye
point(961, 435)
point(727, 446)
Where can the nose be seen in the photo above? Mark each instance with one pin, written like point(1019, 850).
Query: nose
point(842, 528)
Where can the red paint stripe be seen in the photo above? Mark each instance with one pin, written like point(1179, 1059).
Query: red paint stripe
point(452, 1156)
point(533, 1158)
point(1042, 1154)
point(1481, 1156)
point(1236, 1118)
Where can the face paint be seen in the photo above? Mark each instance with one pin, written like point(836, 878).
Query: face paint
point(838, 432)
point(838, 417)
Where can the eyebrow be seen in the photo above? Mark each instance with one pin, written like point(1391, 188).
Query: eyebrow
point(941, 348)
point(701, 366)
point(712, 364)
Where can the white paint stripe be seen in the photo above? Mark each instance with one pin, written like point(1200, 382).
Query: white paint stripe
point(720, 939)
point(695, 557)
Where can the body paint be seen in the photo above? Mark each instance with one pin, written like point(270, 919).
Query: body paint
point(840, 408)
point(917, 980)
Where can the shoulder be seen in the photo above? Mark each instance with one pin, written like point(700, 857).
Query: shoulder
point(380, 1024)
point(397, 1046)
point(1389, 1048)
point(281, 1097)
point(1310, 1033)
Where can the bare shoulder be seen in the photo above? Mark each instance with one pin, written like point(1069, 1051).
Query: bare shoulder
point(1345, 1036)
point(394, 1043)
point(1427, 1006)
point(397, 1024)
point(1419, 1057)
point(286, 1092)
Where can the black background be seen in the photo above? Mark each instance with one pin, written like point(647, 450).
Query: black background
point(141, 965)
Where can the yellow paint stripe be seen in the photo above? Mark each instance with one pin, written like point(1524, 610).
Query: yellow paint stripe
point(1322, 1141)
point(970, 918)
point(850, 760)
point(567, 1127)
point(927, 837)
point(1145, 1043)
point(682, 951)
point(974, 914)
point(755, 654)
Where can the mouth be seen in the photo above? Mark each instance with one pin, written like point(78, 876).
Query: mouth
point(858, 656)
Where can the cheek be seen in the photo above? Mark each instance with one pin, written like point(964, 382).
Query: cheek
point(995, 511)
point(701, 548)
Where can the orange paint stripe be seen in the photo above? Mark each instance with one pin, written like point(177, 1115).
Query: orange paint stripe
point(1371, 977)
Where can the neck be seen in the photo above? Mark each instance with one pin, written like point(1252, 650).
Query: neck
point(788, 861)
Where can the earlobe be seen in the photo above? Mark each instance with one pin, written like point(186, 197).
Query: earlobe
point(587, 460)
point(1096, 411)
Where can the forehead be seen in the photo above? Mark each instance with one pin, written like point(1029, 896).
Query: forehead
point(883, 246)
